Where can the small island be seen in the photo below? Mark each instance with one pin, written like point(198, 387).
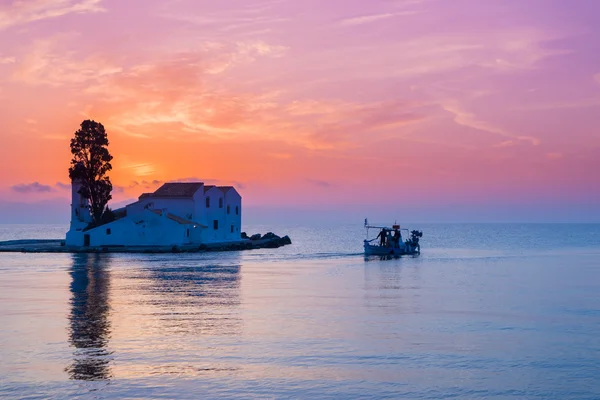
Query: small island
point(177, 217)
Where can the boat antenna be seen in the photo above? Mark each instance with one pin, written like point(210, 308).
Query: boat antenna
point(366, 222)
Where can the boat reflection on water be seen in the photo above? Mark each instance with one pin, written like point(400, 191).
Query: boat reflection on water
point(89, 328)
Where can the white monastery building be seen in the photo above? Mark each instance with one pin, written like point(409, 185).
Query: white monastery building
point(176, 214)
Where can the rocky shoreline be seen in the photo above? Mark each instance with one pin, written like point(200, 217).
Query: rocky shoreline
point(257, 241)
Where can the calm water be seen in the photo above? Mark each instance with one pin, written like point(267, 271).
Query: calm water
point(487, 311)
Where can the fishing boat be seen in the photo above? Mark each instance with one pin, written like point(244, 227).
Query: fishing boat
point(389, 241)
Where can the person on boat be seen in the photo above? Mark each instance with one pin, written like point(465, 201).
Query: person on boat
point(389, 240)
point(397, 238)
point(381, 236)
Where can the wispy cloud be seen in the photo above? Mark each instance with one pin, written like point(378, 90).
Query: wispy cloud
point(34, 187)
point(247, 19)
point(49, 62)
point(7, 60)
point(63, 186)
point(554, 156)
point(138, 169)
point(319, 183)
point(23, 12)
point(564, 104)
point(468, 119)
point(365, 19)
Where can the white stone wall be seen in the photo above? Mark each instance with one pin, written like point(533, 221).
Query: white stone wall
point(212, 213)
point(142, 227)
point(233, 200)
point(147, 229)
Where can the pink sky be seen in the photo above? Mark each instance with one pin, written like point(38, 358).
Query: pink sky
point(308, 103)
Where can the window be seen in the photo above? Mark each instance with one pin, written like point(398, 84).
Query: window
point(216, 224)
point(237, 210)
point(231, 228)
point(187, 233)
point(220, 202)
point(108, 231)
point(228, 209)
point(207, 202)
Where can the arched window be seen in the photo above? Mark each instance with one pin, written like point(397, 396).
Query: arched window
point(220, 202)
point(207, 202)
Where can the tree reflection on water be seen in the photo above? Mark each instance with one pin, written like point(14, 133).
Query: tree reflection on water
point(89, 329)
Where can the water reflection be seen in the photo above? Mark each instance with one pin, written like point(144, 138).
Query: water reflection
point(195, 299)
point(89, 329)
point(393, 286)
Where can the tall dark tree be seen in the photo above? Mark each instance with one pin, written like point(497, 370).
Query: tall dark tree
point(90, 163)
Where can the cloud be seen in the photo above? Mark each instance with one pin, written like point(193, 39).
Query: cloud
point(506, 143)
point(468, 119)
point(7, 60)
point(319, 183)
point(118, 189)
point(23, 12)
point(145, 185)
point(49, 62)
point(563, 104)
point(597, 78)
point(243, 20)
point(554, 156)
point(34, 187)
point(174, 94)
point(142, 169)
point(63, 186)
point(365, 19)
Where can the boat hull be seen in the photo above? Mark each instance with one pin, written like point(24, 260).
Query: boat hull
point(406, 249)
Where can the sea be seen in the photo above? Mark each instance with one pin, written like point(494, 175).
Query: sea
point(487, 311)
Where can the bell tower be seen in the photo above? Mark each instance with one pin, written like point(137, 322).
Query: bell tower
point(80, 206)
point(80, 216)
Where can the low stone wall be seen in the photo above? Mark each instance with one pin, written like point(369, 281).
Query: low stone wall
point(269, 240)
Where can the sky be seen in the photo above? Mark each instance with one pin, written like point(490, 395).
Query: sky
point(432, 109)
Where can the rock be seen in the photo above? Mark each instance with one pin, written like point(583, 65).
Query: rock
point(255, 237)
point(273, 244)
point(286, 240)
point(244, 235)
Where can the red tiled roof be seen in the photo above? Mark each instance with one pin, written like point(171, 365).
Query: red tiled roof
point(178, 189)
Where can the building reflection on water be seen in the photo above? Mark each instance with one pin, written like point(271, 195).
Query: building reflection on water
point(194, 299)
point(89, 328)
point(162, 299)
